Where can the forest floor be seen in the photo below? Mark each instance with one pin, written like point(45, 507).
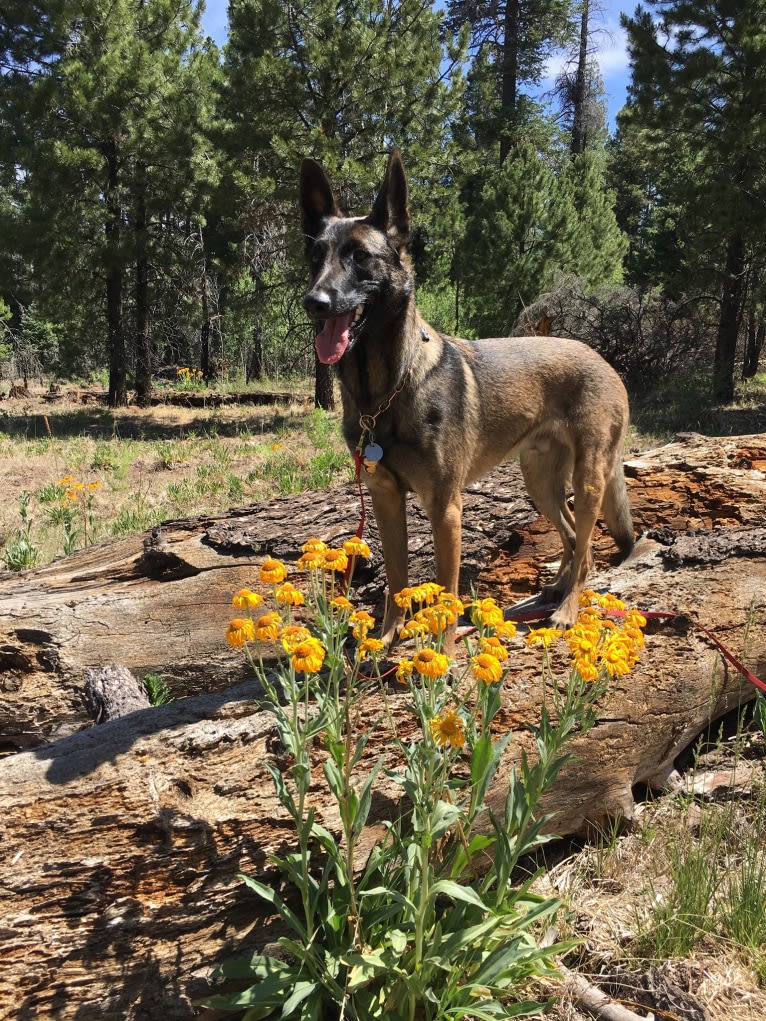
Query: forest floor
point(652, 907)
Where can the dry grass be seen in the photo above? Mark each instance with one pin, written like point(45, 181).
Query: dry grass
point(152, 465)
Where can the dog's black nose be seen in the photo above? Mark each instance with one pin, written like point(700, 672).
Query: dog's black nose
point(318, 303)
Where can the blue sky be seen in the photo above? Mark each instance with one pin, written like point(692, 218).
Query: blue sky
point(610, 41)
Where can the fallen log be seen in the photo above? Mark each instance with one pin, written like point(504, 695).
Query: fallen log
point(122, 842)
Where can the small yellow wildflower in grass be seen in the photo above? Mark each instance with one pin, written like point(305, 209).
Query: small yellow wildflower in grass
point(361, 622)
point(448, 729)
point(342, 603)
point(404, 670)
point(486, 613)
point(272, 572)
point(430, 663)
point(308, 656)
point(240, 631)
point(544, 636)
point(246, 599)
point(314, 546)
point(288, 595)
point(292, 635)
point(487, 668)
point(369, 647)
point(334, 560)
point(268, 626)
point(356, 548)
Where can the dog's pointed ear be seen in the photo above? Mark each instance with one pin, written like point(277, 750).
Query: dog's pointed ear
point(317, 199)
point(391, 213)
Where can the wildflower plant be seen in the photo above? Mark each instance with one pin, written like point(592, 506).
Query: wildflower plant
point(432, 924)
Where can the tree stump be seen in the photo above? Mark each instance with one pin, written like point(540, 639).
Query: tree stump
point(122, 842)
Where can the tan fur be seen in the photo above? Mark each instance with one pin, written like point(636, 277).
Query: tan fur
point(462, 407)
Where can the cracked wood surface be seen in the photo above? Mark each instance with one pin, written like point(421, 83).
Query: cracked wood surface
point(121, 844)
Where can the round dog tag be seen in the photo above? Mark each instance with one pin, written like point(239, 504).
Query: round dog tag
point(373, 452)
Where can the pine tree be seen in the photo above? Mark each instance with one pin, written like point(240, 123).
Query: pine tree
point(113, 160)
point(697, 96)
point(339, 81)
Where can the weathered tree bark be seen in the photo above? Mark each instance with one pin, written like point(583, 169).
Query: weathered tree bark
point(121, 843)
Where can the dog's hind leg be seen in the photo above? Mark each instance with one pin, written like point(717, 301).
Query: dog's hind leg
point(547, 472)
point(589, 486)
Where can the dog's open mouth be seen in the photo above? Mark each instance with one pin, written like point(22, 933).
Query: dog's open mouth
point(338, 334)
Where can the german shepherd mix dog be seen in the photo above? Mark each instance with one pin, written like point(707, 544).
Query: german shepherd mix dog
point(431, 413)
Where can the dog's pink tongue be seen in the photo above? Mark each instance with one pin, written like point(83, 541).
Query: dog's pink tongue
point(333, 340)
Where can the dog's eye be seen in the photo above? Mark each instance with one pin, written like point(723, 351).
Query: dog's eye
point(361, 256)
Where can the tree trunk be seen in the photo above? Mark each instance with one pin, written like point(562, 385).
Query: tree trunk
point(115, 327)
point(756, 334)
point(729, 320)
point(510, 74)
point(123, 842)
point(144, 355)
point(577, 145)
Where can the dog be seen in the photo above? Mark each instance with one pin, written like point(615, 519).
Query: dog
point(429, 413)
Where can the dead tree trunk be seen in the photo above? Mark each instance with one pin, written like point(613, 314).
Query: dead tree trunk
point(122, 842)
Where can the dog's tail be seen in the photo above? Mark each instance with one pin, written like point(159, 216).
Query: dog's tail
point(615, 509)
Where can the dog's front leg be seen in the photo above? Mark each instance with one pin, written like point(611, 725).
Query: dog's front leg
point(389, 502)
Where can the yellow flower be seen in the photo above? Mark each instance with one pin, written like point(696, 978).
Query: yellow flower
point(506, 629)
point(610, 602)
point(634, 619)
point(292, 635)
point(289, 595)
point(426, 593)
point(268, 626)
point(239, 631)
point(486, 613)
point(273, 572)
point(448, 729)
point(334, 560)
point(586, 668)
point(361, 622)
point(246, 599)
point(404, 670)
point(582, 642)
point(310, 561)
point(487, 668)
point(369, 647)
point(436, 618)
point(413, 629)
point(543, 636)
point(342, 603)
point(403, 599)
point(587, 596)
point(93, 485)
point(492, 645)
point(356, 548)
point(616, 656)
point(635, 636)
point(314, 546)
point(430, 663)
point(308, 656)
point(65, 481)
